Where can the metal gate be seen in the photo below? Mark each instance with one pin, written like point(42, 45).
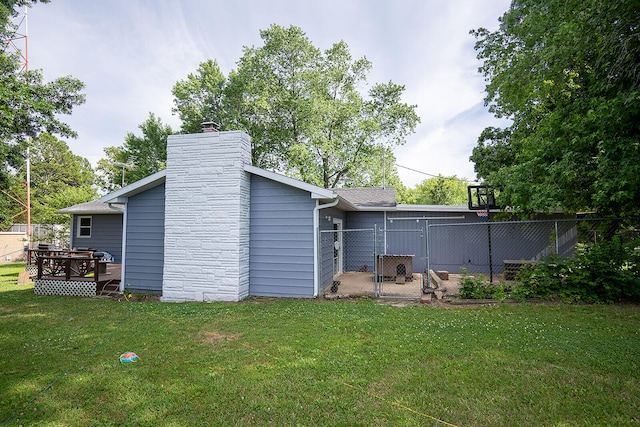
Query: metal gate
point(346, 262)
point(401, 259)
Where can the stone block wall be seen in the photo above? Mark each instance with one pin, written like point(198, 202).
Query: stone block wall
point(206, 243)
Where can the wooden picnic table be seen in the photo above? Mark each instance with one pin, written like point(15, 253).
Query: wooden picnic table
point(34, 254)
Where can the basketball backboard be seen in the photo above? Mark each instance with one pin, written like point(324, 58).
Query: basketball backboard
point(481, 197)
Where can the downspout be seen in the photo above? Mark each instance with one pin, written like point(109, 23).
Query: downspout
point(124, 243)
point(316, 236)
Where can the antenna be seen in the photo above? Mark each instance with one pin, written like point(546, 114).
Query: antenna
point(12, 44)
point(123, 166)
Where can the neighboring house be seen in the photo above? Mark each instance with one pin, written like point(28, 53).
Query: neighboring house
point(213, 227)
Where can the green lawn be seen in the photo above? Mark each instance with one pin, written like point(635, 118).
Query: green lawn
point(314, 363)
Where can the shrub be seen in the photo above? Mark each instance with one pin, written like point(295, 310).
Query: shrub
point(608, 271)
point(472, 287)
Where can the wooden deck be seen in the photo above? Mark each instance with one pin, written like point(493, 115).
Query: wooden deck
point(82, 276)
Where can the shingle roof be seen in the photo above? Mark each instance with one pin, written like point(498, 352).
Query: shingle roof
point(90, 208)
point(369, 197)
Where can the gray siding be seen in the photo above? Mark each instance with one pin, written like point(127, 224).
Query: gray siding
point(358, 247)
point(145, 241)
point(281, 246)
point(364, 220)
point(106, 235)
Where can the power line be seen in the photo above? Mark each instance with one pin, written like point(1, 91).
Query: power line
point(429, 174)
point(415, 170)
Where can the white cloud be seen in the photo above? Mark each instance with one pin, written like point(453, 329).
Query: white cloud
point(131, 53)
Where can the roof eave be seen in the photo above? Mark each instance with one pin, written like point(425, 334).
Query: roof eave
point(121, 195)
point(317, 193)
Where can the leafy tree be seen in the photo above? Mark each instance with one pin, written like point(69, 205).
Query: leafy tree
point(440, 190)
point(566, 73)
point(198, 99)
point(28, 105)
point(303, 109)
point(139, 157)
point(58, 179)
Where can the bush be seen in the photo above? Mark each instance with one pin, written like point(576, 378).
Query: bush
point(608, 271)
point(472, 287)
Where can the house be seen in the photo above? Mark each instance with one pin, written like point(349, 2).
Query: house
point(213, 227)
point(96, 224)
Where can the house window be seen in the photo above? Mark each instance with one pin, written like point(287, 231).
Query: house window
point(84, 226)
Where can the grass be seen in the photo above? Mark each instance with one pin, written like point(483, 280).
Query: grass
point(314, 363)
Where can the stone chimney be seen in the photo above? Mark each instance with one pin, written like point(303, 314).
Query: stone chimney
point(210, 127)
point(206, 242)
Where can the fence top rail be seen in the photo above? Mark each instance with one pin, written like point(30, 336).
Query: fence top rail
point(532, 221)
point(424, 218)
point(345, 230)
point(401, 230)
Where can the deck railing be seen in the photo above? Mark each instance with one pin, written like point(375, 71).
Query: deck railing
point(69, 267)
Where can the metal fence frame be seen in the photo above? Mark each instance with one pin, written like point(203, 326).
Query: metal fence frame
point(528, 241)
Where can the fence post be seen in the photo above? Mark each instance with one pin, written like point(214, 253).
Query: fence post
point(557, 243)
point(376, 288)
point(490, 248)
point(426, 236)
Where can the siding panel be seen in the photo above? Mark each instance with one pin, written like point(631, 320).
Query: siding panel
point(281, 248)
point(106, 235)
point(145, 241)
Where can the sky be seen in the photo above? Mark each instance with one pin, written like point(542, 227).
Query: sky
point(130, 53)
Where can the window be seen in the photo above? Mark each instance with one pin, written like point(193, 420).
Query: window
point(84, 226)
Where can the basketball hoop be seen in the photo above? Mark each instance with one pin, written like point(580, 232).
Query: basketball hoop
point(481, 197)
point(483, 213)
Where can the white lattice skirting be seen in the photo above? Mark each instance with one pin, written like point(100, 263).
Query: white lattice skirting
point(62, 287)
point(33, 270)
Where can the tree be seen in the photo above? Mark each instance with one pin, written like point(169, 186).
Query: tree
point(303, 109)
point(58, 179)
point(440, 190)
point(138, 157)
point(199, 98)
point(566, 73)
point(28, 105)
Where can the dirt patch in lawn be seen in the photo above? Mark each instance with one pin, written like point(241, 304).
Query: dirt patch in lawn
point(214, 337)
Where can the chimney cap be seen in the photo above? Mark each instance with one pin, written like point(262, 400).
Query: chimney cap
point(210, 126)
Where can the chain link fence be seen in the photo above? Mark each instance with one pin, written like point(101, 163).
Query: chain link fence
point(488, 247)
point(401, 259)
point(347, 257)
point(395, 261)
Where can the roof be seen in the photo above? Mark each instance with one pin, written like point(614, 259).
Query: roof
point(350, 199)
point(120, 196)
point(95, 207)
point(316, 192)
point(369, 197)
